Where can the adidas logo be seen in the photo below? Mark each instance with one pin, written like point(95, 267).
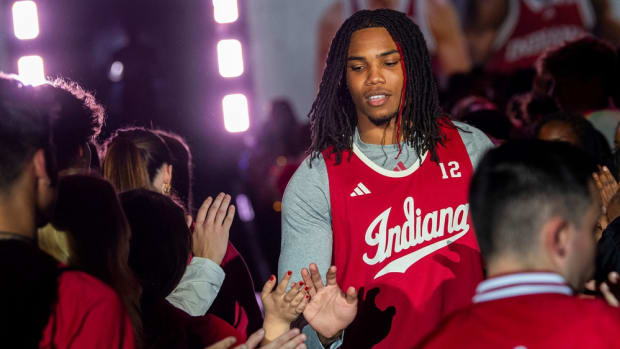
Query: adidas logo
point(360, 190)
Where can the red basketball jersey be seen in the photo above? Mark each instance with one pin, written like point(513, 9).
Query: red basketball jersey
point(529, 311)
point(406, 238)
point(531, 26)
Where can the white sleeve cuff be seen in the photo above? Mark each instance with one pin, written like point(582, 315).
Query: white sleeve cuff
point(198, 287)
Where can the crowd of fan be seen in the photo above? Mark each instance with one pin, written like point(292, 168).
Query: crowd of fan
point(99, 246)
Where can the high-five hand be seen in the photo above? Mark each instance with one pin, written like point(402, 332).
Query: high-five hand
point(330, 310)
point(213, 221)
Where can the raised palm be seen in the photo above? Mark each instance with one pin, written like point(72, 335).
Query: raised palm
point(330, 310)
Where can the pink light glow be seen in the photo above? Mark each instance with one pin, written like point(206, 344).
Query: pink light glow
point(225, 11)
point(230, 58)
point(25, 20)
point(30, 70)
point(236, 114)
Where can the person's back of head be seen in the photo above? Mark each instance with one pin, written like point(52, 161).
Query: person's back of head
point(159, 249)
point(160, 242)
point(137, 158)
point(27, 174)
point(89, 211)
point(26, 119)
point(581, 74)
point(534, 207)
point(183, 167)
point(575, 129)
point(79, 124)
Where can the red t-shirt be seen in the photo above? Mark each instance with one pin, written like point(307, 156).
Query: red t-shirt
point(528, 311)
point(406, 238)
point(533, 26)
point(89, 314)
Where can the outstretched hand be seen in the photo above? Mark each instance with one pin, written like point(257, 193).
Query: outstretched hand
point(211, 231)
point(606, 184)
point(330, 310)
point(282, 307)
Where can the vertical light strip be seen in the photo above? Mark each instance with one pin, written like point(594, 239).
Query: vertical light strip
point(236, 114)
point(225, 11)
point(25, 20)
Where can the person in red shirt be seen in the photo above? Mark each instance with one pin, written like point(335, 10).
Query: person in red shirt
point(508, 35)
point(535, 207)
point(43, 305)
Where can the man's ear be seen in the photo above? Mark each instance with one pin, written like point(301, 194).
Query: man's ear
point(168, 174)
point(40, 168)
point(556, 236)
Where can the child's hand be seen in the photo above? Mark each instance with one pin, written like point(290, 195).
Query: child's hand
point(281, 307)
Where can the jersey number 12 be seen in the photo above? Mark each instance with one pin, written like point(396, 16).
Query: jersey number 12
point(454, 170)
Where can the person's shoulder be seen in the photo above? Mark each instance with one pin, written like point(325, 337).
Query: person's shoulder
point(311, 170)
point(79, 286)
point(597, 311)
point(468, 131)
point(476, 142)
point(452, 329)
point(308, 187)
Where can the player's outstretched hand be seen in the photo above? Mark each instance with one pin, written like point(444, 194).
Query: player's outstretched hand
point(330, 310)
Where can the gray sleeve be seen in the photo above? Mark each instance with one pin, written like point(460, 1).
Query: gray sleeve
point(198, 287)
point(476, 142)
point(306, 227)
point(306, 221)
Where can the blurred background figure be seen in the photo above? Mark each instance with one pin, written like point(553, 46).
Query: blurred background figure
point(439, 22)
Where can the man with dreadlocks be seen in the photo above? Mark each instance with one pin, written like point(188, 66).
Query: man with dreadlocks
point(383, 194)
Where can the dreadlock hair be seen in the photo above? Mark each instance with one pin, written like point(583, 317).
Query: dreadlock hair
point(333, 117)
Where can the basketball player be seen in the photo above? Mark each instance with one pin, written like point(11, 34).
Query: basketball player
point(534, 207)
point(438, 21)
point(383, 194)
point(508, 35)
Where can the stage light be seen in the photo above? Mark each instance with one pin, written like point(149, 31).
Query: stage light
point(230, 58)
point(225, 11)
point(25, 20)
point(30, 70)
point(236, 114)
point(244, 208)
point(116, 71)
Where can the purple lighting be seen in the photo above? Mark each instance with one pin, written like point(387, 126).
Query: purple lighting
point(236, 115)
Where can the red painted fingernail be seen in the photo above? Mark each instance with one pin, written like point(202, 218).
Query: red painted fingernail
point(272, 278)
point(306, 288)
point(307, 296)
point(289, 273)
point(301, 283)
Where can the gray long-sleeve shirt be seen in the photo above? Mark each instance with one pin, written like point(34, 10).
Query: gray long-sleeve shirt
point(306, 212)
